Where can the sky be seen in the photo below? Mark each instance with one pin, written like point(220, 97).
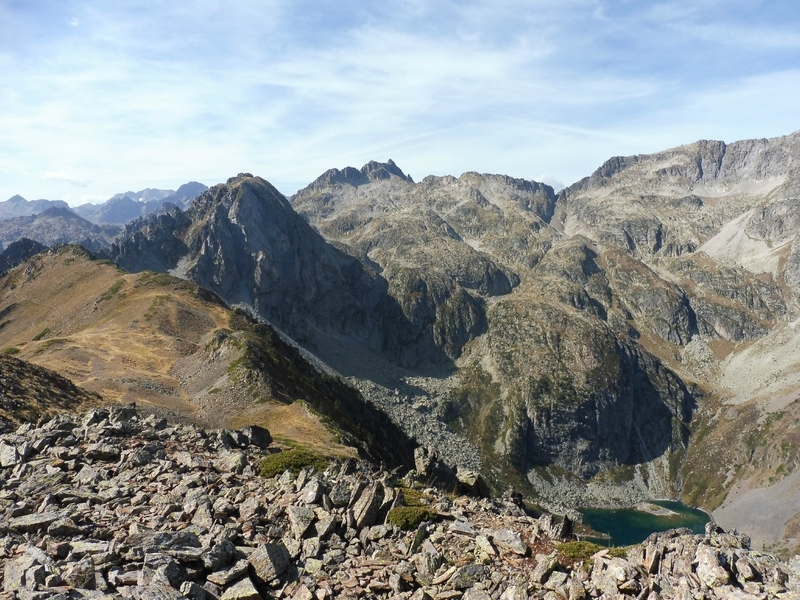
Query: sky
point(102, 97)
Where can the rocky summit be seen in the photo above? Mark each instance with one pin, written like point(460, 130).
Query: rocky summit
point(112, 503)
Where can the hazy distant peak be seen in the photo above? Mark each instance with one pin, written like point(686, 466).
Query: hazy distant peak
point(60, 211)
point(145, 195)
point(17, 206)
point(370, 172)
point(375, 170)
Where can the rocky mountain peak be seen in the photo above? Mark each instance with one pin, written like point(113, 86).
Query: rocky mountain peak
point(371, 172)
point(376, 171)
point(238, 178)
point(60, 211)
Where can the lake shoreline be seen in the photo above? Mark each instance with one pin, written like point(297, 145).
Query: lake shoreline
point(633, 524)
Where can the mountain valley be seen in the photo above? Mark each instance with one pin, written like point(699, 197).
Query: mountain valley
point(630, 337)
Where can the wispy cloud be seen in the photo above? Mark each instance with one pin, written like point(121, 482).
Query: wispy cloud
point(74, 177)
point(155, 94)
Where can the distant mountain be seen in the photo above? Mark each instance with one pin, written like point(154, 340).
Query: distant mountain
point(58, 225)
point(17, 206)
point(126, 206)
point(185, 195)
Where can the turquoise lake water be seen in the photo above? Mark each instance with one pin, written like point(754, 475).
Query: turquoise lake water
point(628, 526)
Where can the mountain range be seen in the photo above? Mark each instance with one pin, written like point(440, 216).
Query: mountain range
point(92, 225)
point(630, 337)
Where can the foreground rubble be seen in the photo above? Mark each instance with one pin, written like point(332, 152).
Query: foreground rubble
point(111, 504)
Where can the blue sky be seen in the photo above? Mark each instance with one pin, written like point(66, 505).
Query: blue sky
point(102, 97)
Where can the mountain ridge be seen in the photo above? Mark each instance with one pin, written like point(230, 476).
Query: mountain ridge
point(586, 344)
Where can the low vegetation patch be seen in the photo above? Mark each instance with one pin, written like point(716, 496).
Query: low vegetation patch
point(415, 497)
point(294, 460)
point(575, 551)
point(44, 347)
point(11, 351)
point(161, 279)
point(112, 290)
point(410, 517)
point(41, 334)
point(157, 302)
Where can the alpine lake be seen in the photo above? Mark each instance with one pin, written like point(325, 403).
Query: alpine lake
point(627, 526)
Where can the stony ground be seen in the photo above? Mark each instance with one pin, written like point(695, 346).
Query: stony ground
point(111, 504)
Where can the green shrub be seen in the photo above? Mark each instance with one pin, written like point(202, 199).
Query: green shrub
point(574, 551)
point(409, 517)
point(415, 497)
point(11, 351)
point(41, 334)
point(112, 290)
point(294, 460)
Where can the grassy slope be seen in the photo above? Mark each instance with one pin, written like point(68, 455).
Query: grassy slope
point(130, 337)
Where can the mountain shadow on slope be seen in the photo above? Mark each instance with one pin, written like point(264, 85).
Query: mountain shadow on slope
point(243, 240)
point(18, 252)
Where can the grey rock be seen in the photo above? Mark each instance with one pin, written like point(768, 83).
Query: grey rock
point(249, 508)
point(340, 495)
point(509, 540)
point(257, 436)
point(80, 574)
point(63, 527)
point(242, 590)
point(226, 576)
point(300, 518)
point(514, 592)
point(426, 565)
point(472, 482)
point(545, 564)
point(324, 526)
point(711, 567)
point(313, 566)
point(219, 556)
point(311, 547)
point(312, 492)
point(14, 573)
point(474, 594)
point(462, 528)
point(365, 509)
point(193, 591)
point(231, 462)
point(467, 576)
point(556, 580)
point(9, 456)
point(103, 451)
point(34, 522)
point(269, 561)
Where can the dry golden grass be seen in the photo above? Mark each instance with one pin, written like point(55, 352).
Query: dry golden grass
point(120, 335)
point(293, 422)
